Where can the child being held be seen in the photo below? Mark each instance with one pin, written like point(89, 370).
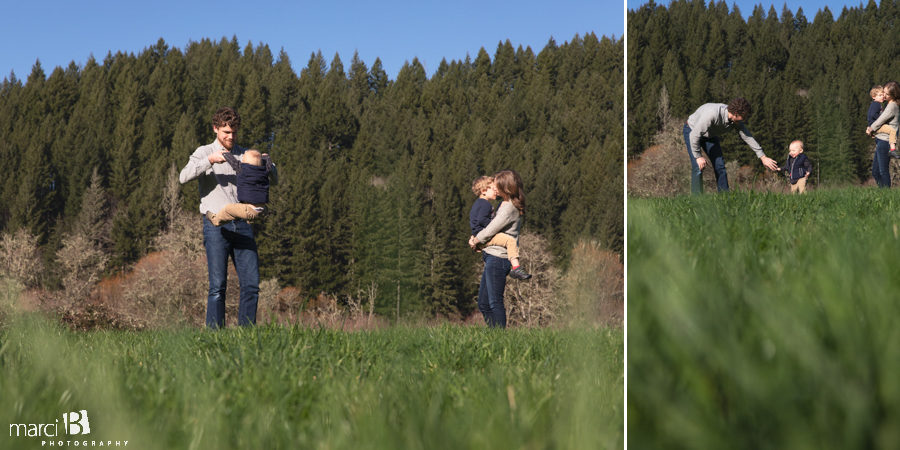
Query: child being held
point(480, 216)
point(877, 105)
point(798, 167)
point(878, 95)
point(252, 187)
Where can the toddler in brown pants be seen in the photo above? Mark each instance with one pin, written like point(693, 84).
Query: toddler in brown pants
point(252, 187)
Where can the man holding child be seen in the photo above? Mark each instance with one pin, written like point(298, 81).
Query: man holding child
point(218, 189)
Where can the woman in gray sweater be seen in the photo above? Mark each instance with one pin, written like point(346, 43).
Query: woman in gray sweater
point(881, 163)
point(508, 219)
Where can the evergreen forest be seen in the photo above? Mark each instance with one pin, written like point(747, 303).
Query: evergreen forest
point(805, 78)
point(375, 173)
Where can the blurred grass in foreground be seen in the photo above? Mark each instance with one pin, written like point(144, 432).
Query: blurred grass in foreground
point(296, 387)
point(764, 321)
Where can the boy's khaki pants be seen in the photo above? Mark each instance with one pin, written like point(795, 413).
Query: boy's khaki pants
point(505, 240)
point(891, 132)
point(233, 211)
point(800, 187)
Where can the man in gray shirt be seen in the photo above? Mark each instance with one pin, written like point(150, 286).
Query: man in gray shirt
point(702, 131)
point(235, 239)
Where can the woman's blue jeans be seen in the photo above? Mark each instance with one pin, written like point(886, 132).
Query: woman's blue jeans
point(714, 150)
point(234, 239)
point(881, 164)
point(490, 292)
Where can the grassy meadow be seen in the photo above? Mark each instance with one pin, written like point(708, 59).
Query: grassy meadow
point(764, 320)
point(299, 387)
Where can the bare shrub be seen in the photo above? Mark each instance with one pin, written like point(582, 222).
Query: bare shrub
point(162, 289)
point(534, 302)
point(664, 169)
point(594, 285)
point(289, 303)
point(324, 311)
point(81, 262)
point(361, 307)
point(355, 312)
point(268, 299)
point(20, 258)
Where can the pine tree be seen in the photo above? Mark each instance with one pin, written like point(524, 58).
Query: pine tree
point(254, 131)
point(126, 137)
point(334, 125)
point(282, 100)
point(31, 207)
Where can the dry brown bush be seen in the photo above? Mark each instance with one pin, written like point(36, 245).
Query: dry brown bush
point(663, 169)
point(289, 304)
point(164, 288)
point(277, 304)
point(171, 286)
point(352, 313)
point(81, 263)
point(20, 258)
point(534, 302)
point(324, 310)
point(594, 285)
point(268, 299)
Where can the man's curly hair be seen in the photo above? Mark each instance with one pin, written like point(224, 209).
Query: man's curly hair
point(226, 115)
point(741, 107)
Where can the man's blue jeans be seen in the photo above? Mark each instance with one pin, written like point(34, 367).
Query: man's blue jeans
point(490, 292)
point(881, 164)
point(234, 239)
point(714, 151)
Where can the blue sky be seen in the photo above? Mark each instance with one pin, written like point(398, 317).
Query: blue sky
point(60, 31)
point(810, 7)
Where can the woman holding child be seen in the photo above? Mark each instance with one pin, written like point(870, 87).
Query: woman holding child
point(891, 118)
point(508, 219)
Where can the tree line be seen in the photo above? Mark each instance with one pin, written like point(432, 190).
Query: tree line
point(375, 173)
point(807, 80)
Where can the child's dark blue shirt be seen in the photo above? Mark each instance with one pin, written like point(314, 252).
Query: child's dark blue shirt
point(480, 215)
point(874, 111)
point(252, 181)
point(797, 167)
point(253, 184)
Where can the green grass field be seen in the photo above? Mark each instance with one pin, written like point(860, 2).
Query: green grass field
point(294, 387)
point(764, 321)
